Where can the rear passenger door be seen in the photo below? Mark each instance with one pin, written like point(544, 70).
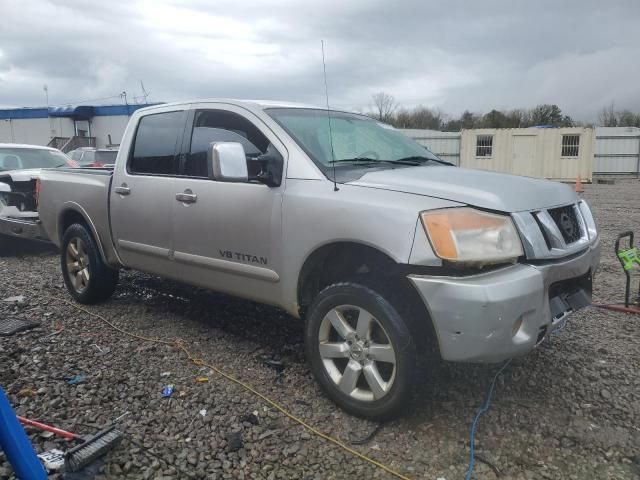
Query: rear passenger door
point(142, 192)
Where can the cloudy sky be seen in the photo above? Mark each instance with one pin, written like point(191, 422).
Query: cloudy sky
point(472, 55)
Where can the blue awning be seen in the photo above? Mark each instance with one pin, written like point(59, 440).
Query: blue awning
point(83, 112)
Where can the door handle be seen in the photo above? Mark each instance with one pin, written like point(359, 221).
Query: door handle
point(122, 189)
point(187, 197)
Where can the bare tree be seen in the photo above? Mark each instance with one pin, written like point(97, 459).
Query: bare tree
point(384, 105)
point(608, 117)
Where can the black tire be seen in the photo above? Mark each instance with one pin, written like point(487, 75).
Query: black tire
point(6, 244)
point(397, 332)
point(102, 278)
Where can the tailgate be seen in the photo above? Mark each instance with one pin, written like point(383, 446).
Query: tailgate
point(18, 210)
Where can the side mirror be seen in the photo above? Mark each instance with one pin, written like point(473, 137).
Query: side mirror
point(227, 162)
point(270, 170)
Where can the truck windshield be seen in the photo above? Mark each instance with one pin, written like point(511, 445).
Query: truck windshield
point(23, 158)
point(356, 140)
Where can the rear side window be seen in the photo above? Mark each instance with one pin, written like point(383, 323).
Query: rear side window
point(154, 150)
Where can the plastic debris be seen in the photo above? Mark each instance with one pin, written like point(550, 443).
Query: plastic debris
point(251, 418)
point(167, 391)
point(202, 379)
point(203, 412)
point(10, 326)
point(76, 379)
point(15, 299)
point(52, 459)
point(277, 365)
point(165, 374)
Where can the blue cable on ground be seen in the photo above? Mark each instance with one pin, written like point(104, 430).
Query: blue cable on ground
point(483, 408)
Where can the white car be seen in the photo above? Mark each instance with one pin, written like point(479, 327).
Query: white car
point(20, 167)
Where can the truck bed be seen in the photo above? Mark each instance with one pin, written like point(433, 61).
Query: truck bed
point(67, 194)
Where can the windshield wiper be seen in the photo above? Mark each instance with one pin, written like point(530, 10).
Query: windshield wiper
point(419, 160)
point(355, 160)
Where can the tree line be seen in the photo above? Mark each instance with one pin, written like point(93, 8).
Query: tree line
point(386, 109)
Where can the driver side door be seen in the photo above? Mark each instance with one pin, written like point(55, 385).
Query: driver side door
point(227, 235)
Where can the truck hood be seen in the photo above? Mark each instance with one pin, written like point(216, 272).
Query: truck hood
point(484, 189)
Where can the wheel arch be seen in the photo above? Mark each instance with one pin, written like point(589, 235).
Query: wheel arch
point(339, 261)
point(352, 261)
point(74, 213)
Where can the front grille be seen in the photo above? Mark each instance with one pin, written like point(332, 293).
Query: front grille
point(567, 222)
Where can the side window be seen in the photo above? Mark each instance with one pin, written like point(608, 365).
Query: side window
point(154, 150)
point(223, 126)
point(484, 145)
point(570, 145)
point(75, 155)
point(88, 157)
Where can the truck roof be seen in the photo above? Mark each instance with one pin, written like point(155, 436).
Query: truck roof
point(260, 104)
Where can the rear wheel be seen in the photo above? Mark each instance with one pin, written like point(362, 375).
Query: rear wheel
point(360, 350)
point(87, 278)
point(5, 244)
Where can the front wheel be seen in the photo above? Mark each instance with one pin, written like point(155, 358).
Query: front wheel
point(360, 350)
point(87, 278)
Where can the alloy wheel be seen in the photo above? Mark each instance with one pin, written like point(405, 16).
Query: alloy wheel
point(356, 353)
point(77, 260)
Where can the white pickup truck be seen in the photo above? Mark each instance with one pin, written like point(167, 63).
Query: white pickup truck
point(384, 250)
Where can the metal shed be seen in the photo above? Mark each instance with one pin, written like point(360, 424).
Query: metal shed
point(446, 145)
point(555, 153)
point(617, 151)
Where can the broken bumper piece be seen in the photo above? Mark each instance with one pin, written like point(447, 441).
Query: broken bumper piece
point(28, 228)
point(505, 313)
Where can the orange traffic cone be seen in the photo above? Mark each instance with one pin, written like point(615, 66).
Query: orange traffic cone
point(578, 187)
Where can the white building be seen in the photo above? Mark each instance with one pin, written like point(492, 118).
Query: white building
point(556, 153)
point(66, 127)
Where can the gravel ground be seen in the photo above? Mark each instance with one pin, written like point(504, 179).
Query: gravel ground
point(569, 410)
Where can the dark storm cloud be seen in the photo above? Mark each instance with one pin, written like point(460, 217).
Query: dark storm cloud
point(453, 55)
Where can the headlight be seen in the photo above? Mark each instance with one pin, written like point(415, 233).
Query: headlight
point(589, 221)
point(466, 235)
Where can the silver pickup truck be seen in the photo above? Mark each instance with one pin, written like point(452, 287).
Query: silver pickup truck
point(387, 252)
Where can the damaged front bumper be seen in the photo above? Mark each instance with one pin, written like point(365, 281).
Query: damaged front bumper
point(505, 313)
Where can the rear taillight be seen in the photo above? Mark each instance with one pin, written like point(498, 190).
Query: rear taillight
point(97, 164)
point(37, 191)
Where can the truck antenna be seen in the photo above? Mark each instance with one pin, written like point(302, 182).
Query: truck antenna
point(326, 94)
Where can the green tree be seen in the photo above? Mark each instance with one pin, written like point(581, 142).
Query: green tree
point(549, 115)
